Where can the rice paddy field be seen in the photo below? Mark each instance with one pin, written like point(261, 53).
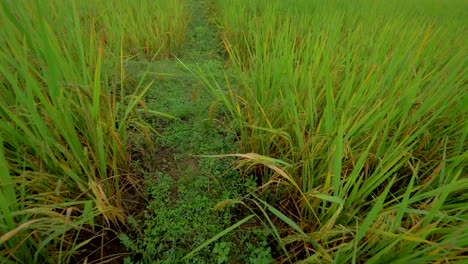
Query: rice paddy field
point(338, 129)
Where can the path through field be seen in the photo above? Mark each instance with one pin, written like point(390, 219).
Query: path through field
point(183, 187)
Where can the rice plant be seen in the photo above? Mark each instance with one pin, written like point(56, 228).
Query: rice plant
point(145, 28)
point(64, 115)
point(358, 109)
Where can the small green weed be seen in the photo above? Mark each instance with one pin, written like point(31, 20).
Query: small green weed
point(259, 254)
point(221, 250)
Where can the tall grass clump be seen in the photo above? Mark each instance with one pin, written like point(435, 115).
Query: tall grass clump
point(150, 27)
point(64, 115)
point(360, 118)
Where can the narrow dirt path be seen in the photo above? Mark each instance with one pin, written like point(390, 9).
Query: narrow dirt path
point(182, 186)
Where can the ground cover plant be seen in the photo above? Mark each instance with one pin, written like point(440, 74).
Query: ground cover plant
point(64, 115)
point(358, 110)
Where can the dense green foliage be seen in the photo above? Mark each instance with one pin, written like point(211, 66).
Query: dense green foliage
point(64, 114)
point(363, 105)
point(347, 121)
